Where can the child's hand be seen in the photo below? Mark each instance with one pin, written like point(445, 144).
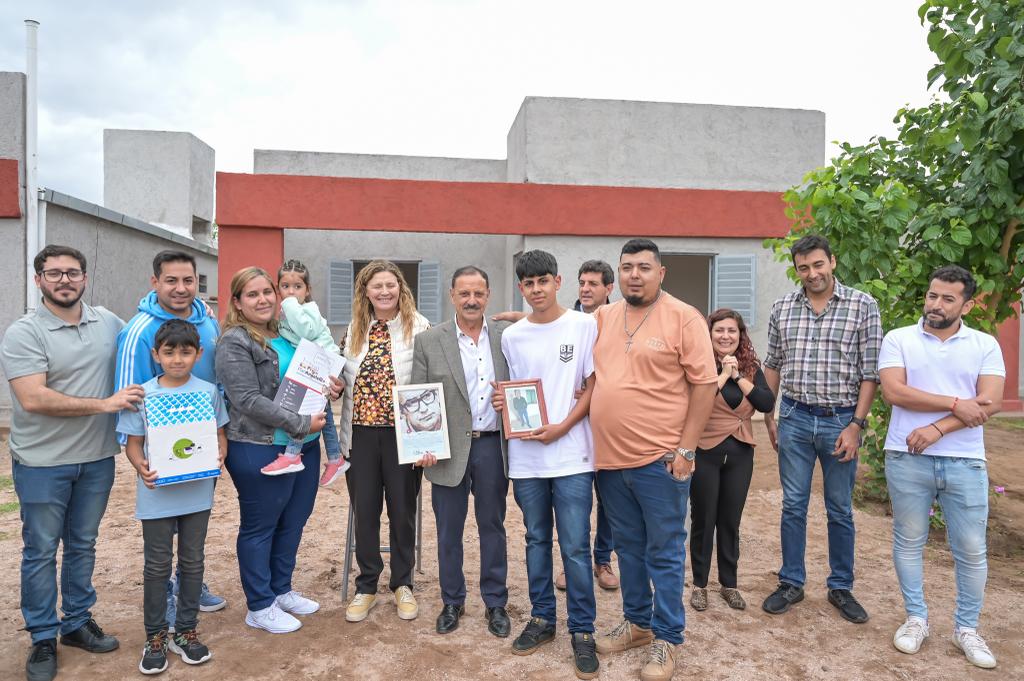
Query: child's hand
point(497, 398)
point(148, 477)
point(317, 422)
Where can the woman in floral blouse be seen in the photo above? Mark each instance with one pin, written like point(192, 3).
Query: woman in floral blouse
point(378, 354)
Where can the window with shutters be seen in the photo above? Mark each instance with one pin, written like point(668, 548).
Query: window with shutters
point(339, 292)
point(735, 285)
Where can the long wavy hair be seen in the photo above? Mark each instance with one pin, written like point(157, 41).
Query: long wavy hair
point(746, 356)
point(362, 309)
point(234, 316)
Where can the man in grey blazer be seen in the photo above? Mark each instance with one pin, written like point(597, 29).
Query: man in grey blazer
point(465, 356)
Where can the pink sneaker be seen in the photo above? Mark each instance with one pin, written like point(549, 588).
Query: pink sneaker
point(333, 470)
point(284, 464)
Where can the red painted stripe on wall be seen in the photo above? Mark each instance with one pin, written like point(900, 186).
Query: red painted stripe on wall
point(10, 183)
point(303, 202)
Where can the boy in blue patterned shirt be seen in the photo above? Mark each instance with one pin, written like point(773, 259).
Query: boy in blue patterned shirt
point(185, 506)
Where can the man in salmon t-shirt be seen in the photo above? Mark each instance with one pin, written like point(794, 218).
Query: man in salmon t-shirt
point(656, 382)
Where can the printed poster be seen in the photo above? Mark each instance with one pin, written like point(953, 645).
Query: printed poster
point(307, 383)
point(421, 422)
point(181, 437)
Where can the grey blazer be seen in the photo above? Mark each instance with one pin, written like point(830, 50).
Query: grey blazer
point(436, 359)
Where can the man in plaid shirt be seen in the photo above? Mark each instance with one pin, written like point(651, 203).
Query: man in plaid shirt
point(823, 344)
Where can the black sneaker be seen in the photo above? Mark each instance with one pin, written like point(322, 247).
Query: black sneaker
point(848, 607)
point(538, 631)
point(584, 655)
point(187, 644)
point(42, 661)
point(90, 637)
point(154, 655)
point(783, 597)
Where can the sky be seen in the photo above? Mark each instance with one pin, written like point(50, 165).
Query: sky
point(439, 77)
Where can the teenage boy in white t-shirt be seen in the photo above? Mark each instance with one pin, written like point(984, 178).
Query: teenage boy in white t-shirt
point(552, 468)
point(943, 380)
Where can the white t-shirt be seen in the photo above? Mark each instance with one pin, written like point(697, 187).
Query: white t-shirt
point(943, 368)
point(561, 355)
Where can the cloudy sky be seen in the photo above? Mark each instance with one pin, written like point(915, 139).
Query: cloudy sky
point(438, 77)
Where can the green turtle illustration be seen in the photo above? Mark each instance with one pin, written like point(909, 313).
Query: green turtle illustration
point(184, 448)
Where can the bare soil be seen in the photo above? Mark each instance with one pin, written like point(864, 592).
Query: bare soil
point(810, 642)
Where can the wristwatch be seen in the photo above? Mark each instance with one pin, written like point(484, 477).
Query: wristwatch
point(863, 423)
point(687, 454)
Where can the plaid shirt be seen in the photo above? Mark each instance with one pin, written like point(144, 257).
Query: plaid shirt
point(823, 358)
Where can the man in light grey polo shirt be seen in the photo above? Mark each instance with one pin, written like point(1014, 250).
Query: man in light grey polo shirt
point(59, 360)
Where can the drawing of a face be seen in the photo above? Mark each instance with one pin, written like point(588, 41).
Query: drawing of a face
point(185, 448)
point(421, 408)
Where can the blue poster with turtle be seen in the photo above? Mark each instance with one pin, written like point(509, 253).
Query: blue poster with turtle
point(181, 436)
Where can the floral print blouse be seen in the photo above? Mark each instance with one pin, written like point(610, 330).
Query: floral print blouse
point(371, 394)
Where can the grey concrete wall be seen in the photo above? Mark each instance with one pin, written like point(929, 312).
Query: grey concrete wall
point(315, 248)
point(571, 252)
point(12, 230)
point(654, 144)
point(120, 259)
point(165, 178)
point(281, 162)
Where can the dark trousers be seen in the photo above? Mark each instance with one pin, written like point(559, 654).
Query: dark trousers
point(718, 493)
point(158, 550)
point(376, 477)
point(603, 542)
point(485, 478)
point(273, 511)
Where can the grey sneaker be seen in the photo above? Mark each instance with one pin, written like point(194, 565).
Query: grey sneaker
point(189, 647)
point(154, 655)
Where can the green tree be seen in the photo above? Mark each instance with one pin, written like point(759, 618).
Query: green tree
point(948, 189)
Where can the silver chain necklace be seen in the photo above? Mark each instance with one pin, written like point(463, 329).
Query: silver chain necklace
point(625, 312)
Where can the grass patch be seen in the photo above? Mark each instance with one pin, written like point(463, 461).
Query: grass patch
point(6, 482)
point(9, 506)
point(1006, 423)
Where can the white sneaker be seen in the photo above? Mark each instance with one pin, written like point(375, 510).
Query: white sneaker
point(272, 619)
point(974, 648)
point(910, 635)
point(297, 604)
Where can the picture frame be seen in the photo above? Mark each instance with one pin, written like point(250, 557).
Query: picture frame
point(525, 409)
point(421, 421)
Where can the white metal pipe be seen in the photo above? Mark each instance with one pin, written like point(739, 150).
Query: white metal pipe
point(32, 236)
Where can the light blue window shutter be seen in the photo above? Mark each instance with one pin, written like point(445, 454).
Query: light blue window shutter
point(428, 290)
point(339, 292)
point(735, 285)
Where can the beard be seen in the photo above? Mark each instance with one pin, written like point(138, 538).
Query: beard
point(941, 323)
point(71, 302)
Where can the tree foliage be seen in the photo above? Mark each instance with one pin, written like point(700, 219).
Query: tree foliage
point(948, 189)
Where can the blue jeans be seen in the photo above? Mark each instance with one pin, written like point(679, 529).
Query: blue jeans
point(647, 510)
point(60, 504)
point(961, 486)
point(571, 497)
point(603, 542)
point(804, 439)
point(273, 511)
point(331, 443)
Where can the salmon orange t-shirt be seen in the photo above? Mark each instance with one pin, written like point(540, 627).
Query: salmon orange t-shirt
point(641, 396)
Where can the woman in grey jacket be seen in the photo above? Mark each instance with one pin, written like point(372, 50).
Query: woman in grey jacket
point(378, 354)
point(251, 360)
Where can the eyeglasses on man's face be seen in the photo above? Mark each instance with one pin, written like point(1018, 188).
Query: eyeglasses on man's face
point(425, 398)
point(54, 276)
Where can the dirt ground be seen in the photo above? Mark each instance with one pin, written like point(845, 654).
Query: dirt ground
point(810, 642)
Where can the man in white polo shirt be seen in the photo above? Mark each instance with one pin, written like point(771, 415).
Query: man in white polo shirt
point(943, 380)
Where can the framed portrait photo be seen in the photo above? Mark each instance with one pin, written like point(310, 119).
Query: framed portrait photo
point(524, 407)
point(421, 422)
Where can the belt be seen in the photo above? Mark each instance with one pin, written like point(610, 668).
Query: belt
point(819, 411)
point(477, 434)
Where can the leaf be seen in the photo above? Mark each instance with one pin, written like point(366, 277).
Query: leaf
point(979, 101)
point(961, 235)
point(1003, 47)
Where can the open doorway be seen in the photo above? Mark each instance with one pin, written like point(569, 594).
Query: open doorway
point(688, 278)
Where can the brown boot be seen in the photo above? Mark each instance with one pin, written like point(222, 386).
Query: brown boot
point(606, 579)
point(699, 599)
point(623, 637)
point(560, 581)
point(661, 662)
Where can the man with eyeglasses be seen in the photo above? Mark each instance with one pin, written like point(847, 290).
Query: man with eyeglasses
point(422, 411)
point(59, 360)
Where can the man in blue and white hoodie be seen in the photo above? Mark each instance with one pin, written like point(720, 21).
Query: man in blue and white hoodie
point(175, 285)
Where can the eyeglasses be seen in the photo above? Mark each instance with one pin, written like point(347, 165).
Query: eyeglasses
point(427, 398)
point(54, 276)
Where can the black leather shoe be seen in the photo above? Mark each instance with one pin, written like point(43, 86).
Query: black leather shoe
point(448, 620)
point(42, 661)
point(90, 637)
point(498, 622)
point(584, 655)
point(537, 632)
point(783, 597)
point(848, 607)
